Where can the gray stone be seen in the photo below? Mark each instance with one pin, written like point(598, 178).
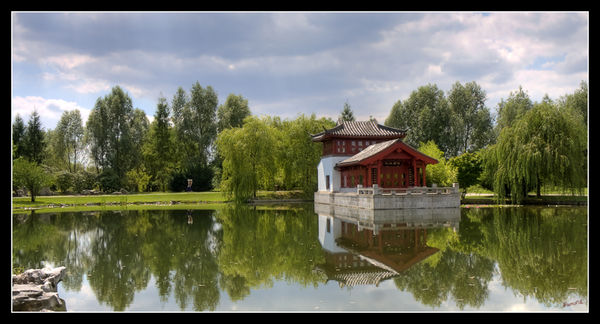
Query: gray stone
point(35, 290)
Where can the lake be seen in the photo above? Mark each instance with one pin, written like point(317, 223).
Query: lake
point(299, 258)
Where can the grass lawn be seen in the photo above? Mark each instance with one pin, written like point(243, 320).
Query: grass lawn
point(178, 200)
point(153, 197)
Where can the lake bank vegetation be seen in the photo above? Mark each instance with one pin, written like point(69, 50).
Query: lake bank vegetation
point(229, 152)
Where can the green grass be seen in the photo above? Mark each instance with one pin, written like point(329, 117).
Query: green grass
point(151, 200)
point(154, 197)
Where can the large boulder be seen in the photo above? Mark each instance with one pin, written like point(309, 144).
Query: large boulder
point(35, 290)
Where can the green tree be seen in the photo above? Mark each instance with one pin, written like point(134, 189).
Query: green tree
point(232, 112)
point(578, 101)
point(195, 123)
point(511, 110)
point(442, 173)
point(114, 131)
point(347, 114)
point(159, 150)
point(546, 146)
point(18, 136)
point(30, 175)
point(35, 139)
point(68, 139)
point(468, 168)
point(247, 158)
point(426, 116)
point(472, 127)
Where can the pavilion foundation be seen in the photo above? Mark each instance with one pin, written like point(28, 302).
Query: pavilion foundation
point(375, 198)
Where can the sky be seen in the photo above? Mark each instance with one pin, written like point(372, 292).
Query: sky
point(290, 63)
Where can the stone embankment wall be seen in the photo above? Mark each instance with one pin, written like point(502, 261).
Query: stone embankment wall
point(374, 198)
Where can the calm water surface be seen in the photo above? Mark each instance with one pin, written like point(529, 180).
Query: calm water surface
point(303, 258)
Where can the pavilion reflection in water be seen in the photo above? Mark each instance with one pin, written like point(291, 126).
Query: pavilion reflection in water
point(365, 247)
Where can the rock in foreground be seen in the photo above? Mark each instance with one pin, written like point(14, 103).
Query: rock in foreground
point(35, 290)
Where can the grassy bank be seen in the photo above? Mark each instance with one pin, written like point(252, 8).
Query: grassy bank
point(530, 200)
point(172, 200)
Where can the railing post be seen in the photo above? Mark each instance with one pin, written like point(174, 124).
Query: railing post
point(375, 189)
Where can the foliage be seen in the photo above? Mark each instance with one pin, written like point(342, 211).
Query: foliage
point(468, 168)
point(442, 173)
point(347, 114)
point(64, 181)
point(511, 110)
point(426, 116)
point(68, 139)
point(578, 101)
point(546, 146)
point(471, 120)
point(115, 131)
point(232, 112)
point(109, 180)
point(159, 147)
point(137, 180)
point(459, 123)
point(35, 139)
point(18, 137)
point(30, 175)
point(247, 158)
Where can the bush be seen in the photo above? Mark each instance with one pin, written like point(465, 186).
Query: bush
point(84, 180)
point(64, 181)
point(109, 180)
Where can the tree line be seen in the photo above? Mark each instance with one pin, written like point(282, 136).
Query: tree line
point(530, 145)
point(526, 146)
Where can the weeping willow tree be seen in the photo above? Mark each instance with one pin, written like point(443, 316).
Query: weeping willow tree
point(247, 158)
point(547, 146)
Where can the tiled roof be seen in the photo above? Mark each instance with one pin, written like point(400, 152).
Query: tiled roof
point(375, 149)
point(360, 128)
point(368, 152)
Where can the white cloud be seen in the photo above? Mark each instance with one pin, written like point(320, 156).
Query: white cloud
point(50, 110)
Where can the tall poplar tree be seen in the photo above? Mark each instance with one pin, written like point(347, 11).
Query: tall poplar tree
point(69, 139)
point(35, 141)
point(18, 136)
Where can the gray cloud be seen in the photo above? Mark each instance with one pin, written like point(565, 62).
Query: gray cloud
point(297, 61)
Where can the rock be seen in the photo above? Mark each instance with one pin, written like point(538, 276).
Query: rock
point(35, 290)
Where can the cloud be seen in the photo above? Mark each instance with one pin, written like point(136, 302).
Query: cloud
point(371, 59)
point(50, 110)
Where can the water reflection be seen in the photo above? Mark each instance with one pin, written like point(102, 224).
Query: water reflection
point(364, 247)
point(201, 259)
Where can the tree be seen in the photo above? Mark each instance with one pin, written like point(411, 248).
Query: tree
point(31, 175)
point(35, 142)
point(578, 101)
point(247, 158)
point(232, 112)
point(468, 168)
point(158, 150)
point(114, 131)
point(69, 139)
point(511, 110)
point(18, 136)
point(442, 173)
point(425, 115)
point(297, 156)
point(347, 114)
point(545, 147)
point(195, 123)
point(471, 121)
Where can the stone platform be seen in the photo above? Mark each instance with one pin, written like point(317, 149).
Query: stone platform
point(392, 198)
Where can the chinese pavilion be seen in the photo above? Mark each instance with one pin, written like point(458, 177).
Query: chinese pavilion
point(367, 153)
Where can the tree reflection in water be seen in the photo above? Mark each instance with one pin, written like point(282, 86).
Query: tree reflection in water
point(540, 253)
